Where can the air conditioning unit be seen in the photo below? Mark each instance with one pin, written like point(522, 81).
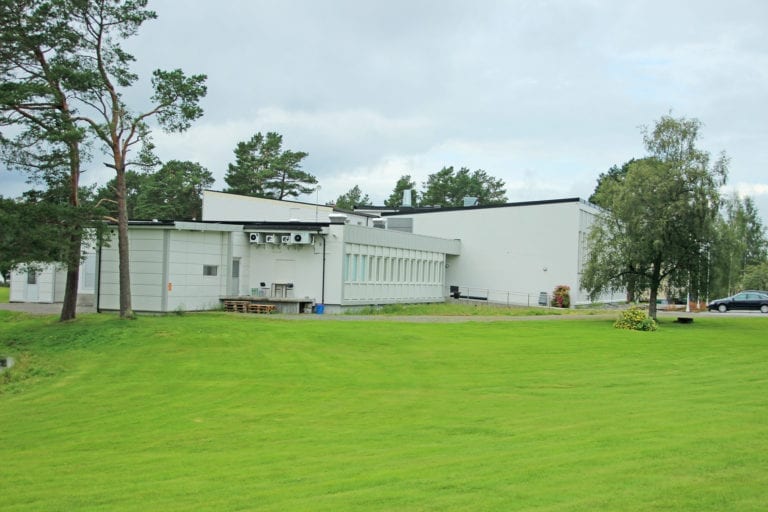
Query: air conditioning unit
point(272, 239)
point(286, 239)
point(301, 237)
point(255, 238)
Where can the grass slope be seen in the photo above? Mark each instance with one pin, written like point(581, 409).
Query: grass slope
point(229, 412)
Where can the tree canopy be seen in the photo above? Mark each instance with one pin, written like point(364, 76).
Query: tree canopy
point(353, 197)
point(103, 74)
point(738, 250)
point(404, 183)
point(263, 169)
point(659, 217)
point(38, 64)
point(173, 192)
point(449, 187)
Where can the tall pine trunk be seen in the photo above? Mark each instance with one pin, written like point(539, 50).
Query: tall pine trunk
point(69, 306)
point(74, 244)
point(126, 310)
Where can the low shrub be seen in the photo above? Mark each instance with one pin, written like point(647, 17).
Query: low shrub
point(635, 319)
point(561, 297)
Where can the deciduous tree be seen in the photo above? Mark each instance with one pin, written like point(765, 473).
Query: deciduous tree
point(659, 216)
point(739, 243)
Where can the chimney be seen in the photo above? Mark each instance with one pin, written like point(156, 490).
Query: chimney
point(407, 198)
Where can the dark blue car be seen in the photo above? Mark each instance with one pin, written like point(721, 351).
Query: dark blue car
point(754, 300)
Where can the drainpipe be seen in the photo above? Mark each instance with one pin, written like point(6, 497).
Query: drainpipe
point(322, 293)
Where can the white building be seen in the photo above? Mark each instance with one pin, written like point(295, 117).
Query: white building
point(194, 265)
point(511, 253)
point(46, 283)
point(298, 255)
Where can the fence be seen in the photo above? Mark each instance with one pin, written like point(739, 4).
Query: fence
point(507, 297)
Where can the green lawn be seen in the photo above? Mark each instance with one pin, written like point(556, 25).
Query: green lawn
point(241, 412)
point(5, 293)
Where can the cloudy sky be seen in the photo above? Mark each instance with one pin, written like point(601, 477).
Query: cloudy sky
point(543, 94)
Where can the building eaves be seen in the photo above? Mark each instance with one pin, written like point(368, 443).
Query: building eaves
point(437, 209)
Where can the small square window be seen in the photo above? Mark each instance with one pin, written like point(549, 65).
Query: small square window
point(210, 270)
point(31, 277)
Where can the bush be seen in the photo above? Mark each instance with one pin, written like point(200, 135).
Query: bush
point(635, 319)
point(561, 297)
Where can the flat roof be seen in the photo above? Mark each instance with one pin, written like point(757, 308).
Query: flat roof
point(436, 209)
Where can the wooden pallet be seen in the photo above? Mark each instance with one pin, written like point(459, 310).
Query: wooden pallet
point(237, 306)
point(262, 308)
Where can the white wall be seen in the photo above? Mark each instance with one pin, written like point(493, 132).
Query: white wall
point(299, 264)
point(355, 257)
point(513, 252)
point(378, 266)
point(146, 264)
point(43, 291)
point(224, 207)
point(186, 286)
point(167, 265)
point(52, 279)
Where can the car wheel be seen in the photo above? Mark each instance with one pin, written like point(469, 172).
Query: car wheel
point(764, 308)
point(722, 308)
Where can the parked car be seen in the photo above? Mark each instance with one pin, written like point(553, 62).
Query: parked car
point(746, 300)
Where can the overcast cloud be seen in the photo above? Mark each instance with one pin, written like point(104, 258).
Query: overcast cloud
point(545, 95)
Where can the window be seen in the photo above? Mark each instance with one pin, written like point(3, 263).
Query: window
point(31, 277)
point(210, 270)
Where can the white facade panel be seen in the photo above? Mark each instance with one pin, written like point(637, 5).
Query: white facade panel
point(34, 285)
point(224, 207)
point(146, 263)
point(512, 253)
point(380, 266)
point(188, 287)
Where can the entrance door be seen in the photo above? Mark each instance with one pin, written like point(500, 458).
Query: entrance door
point(236, 276)
point(33, 291)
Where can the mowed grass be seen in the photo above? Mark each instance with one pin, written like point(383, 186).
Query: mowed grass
point(5, 293)
point(242, 412)
point(477, 309)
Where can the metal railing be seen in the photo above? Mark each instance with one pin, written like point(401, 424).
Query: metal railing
point(510, 298)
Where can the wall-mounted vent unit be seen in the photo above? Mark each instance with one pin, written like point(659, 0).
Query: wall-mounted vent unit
point(272, 239)
point(286, 239)
point(255, 238)
point(301, 237)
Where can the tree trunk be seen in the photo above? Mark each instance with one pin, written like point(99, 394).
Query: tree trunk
point(655, 283)
point(126, 310)
point(69, 306)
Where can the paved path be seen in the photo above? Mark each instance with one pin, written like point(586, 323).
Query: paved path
point(41, 309)
point(55, 309)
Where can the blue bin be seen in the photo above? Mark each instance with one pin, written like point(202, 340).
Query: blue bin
point(319, 309)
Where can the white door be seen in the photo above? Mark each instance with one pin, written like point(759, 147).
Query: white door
point(33, 290)
point(236, 276)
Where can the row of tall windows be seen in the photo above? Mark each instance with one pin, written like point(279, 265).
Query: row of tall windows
point(363, 268)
